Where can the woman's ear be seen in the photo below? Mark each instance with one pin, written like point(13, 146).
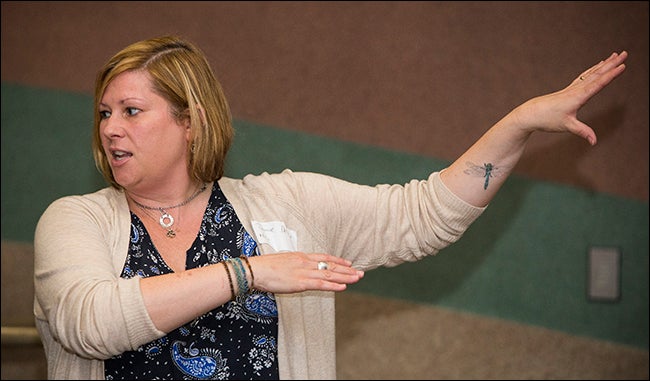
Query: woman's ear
point(186, 122)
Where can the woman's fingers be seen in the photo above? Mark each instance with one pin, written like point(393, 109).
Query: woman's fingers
point(604, 71)
point(335, 269)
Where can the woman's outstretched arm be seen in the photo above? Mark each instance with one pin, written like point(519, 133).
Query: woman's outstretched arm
point(477, 174)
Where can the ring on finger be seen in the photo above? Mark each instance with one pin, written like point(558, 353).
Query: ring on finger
point(322, 265)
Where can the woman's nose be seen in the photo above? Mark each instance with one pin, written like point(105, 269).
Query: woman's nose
point(112, 126)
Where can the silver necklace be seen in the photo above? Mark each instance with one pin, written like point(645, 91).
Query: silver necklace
point(166, 220)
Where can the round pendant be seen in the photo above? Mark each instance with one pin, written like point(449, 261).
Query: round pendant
point(166, 220)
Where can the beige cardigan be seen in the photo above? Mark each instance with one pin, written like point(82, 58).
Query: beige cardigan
point(86, 313)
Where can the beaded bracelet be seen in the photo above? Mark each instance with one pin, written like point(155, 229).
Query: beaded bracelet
point(245, 258)
point(232, 289)
point(240, 272)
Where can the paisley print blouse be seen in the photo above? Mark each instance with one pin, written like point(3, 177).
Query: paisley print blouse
point(237, 340)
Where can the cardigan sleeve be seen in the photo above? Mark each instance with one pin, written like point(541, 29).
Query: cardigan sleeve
point(390, 224)
point(373, 226)
point(89, 309)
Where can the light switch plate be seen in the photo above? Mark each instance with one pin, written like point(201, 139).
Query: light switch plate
point(604, 278)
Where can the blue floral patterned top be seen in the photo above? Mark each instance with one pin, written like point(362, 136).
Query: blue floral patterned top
point(237, 340)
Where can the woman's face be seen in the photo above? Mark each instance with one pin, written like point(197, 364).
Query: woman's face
point(145, 144)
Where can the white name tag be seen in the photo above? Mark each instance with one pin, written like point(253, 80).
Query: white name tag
point(276, 235)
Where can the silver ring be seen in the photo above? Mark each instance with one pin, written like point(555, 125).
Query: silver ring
point(322, 265)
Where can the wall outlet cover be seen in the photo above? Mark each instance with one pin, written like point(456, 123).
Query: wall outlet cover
point(604, 278)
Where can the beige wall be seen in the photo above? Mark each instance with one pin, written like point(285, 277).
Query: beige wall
point(421, 77)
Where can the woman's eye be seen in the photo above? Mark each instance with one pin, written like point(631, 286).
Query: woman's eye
point(104, 114)
point(130, 111)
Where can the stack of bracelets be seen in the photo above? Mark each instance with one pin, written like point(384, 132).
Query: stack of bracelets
point(240, 275)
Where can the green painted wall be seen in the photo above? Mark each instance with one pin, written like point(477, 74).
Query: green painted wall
point(525, 259)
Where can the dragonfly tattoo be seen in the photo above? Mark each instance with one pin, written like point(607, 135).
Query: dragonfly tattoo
point(487, 171)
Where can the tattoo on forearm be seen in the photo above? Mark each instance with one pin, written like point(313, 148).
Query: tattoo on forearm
point(487, 170)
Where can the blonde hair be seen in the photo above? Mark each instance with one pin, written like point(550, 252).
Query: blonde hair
point(181, 74)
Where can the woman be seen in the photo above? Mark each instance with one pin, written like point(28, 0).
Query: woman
point(168, 273)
